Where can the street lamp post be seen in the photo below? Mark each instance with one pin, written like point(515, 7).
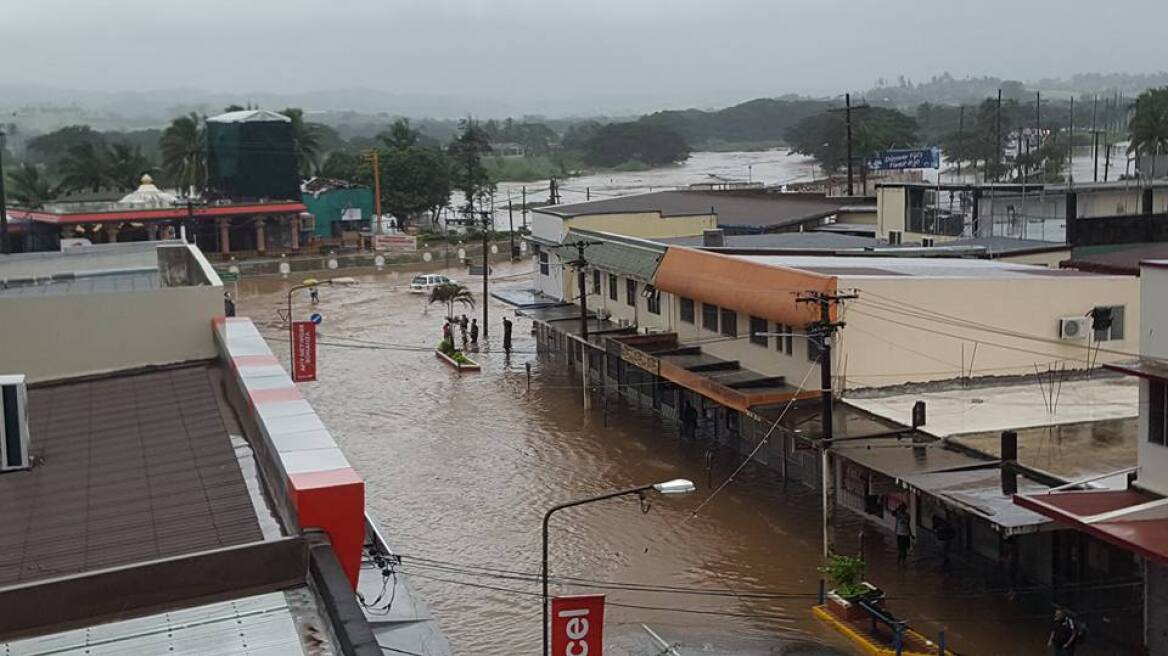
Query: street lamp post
point(311, 282)
point(675, 486)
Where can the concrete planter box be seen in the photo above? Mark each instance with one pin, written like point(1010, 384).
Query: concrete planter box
point(848, 611)
point(472, 366)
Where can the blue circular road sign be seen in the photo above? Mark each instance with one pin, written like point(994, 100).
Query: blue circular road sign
point(316, 318)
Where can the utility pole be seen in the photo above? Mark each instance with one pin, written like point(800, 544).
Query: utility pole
point(847, 110)
point(1071, 146)
point(525, 207)
point(5, 244)
point(486, 267)
point(511, 228)
point(960, 138)
point(1038, 129)
point(581, 264)
point(824, 331)
point(1095, 137)
point(998, 127)
point(375, 159)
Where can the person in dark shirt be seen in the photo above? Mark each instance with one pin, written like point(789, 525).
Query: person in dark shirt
point(1063, 633)
point(474, 331)
point(506, 334)
point(228, 305)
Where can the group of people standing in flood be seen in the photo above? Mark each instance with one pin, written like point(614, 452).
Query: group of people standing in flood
point(469, 331)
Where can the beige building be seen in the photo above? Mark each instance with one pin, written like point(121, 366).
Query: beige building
point(913, 320)
point(97, 309)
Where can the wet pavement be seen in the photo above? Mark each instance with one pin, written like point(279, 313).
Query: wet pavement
point(461, 469)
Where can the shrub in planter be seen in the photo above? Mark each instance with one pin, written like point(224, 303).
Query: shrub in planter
point(846, 574)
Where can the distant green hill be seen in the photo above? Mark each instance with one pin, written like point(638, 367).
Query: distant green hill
point(760, 120)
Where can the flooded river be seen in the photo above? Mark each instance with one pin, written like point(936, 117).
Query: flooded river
point(461, 469)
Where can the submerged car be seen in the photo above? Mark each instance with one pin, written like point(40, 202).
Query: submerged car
point(423, 283)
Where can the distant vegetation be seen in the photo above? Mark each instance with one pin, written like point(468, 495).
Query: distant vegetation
point(424, 161)
point(761, 120)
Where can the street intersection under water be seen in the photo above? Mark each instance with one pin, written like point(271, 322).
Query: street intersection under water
point(460, 469)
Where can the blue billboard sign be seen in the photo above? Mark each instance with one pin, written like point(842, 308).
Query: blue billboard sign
point(896, 160)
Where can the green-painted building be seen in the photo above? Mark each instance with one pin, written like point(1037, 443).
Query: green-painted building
point(338, 206)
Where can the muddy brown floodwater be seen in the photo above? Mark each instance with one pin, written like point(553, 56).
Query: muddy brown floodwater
point(461, 469)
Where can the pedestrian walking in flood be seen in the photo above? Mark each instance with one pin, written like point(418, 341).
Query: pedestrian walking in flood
point(474, 331)
point(1064, 633)
point(463, 324)
point(448, 333)
point(506, 334)
point(903, 533)
point(314, 294)
point(228, 305)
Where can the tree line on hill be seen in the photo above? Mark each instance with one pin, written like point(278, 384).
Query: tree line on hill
point(422, 165)
point(418, 170)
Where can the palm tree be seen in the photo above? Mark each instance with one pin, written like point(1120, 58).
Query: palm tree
point(305, 141)
point(30, 188)
point(126, 166)
point(85, 166)
point(449, 293)
point(1148, 128)
point(184, 152)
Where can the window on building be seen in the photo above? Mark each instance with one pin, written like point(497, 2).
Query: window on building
point(813, 348)
point(758, 326)
point(729, 323)
point(630, 292)
point(595, 282)
point(1107, 322)
point(612, 286)
point(543, 263)
point(710, 317)
point(687, 309)
point(1157, 412)
point(653, 302)
point(789, 339)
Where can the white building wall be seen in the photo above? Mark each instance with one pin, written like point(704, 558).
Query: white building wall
point(1153, 458)
point(904, 330)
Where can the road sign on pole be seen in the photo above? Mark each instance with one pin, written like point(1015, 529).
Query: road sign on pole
point(303, 351)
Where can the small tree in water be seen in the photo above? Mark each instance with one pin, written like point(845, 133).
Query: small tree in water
point(449, 293)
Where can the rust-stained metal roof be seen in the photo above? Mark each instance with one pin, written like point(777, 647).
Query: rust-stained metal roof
point(128, 468)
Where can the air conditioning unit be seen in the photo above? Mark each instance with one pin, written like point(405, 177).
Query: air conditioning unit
point(894, 236)
point(13, 424)
point(1074, 327)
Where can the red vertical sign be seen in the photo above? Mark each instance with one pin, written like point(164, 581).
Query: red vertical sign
point(578, 626)
point(303, 351)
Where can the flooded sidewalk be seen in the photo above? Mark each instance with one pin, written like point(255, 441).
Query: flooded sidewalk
point(461, 469)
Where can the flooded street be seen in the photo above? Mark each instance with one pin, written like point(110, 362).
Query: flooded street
point(461, 469)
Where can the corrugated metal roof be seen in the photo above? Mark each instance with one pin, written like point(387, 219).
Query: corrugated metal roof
point(110, 282)
point(262, 625)
point(250, 116)
point(128, 469)
point(979, 491)
point(626, 256)
point(732, 208)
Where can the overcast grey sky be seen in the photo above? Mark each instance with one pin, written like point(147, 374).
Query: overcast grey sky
point(608, 51)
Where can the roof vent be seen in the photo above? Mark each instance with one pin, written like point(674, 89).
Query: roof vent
point(13, 424)
point(713, 238)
